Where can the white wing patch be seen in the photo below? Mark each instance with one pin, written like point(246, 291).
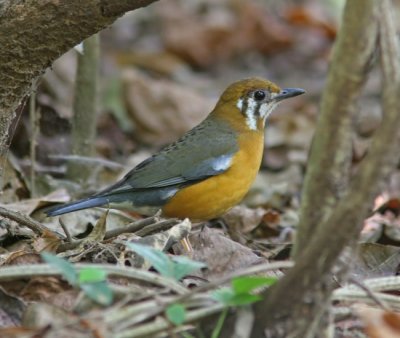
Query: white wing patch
point(222, 163)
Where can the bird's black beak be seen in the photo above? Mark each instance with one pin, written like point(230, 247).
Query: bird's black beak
point(285, 93)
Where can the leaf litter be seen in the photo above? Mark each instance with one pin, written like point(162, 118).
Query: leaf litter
point(159, 91)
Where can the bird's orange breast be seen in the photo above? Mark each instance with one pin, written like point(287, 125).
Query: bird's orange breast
point(214, 196)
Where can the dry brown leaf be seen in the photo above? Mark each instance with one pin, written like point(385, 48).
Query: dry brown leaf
point(162, 110)
point(380, 323)
point(60, 323)
point(275, 190)
point(268, 226)
point(375, 260)
point(222, 255)
point(43, 288)
point(11, 310)
point(243, 219)
point(164, 63)
point(214, 33)
point(310, 17)
point(22, 257)
point(14, 187)
point(47, 242)
point(29, 206)
point(23, 332)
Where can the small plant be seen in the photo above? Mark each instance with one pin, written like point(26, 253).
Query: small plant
point(171, 267)
point(241, 291)
point(92, 281)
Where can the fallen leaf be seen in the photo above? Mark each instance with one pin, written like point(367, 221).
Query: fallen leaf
point(379, 323)
point(312, 18)
point(221, 255)
point(11, 310)
point(215, 33)
point(375, 260)
point(161, 109)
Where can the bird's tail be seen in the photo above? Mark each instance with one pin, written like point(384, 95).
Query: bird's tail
point(77, 205)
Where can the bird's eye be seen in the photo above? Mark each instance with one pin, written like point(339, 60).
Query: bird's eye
point(259, 95)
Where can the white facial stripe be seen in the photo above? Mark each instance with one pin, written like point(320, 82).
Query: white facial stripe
point(266, 109)
point(239, 104)
point(250, 106)
point(251, 118)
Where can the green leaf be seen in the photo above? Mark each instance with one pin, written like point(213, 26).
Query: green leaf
point(184, 266)
point(100, 292)
point(175, 268)
point(92, 275)
point(176, 313)
point(159, 260)
point(228, 297)
point(244, 299)
point(249, 283)
point(223, 295)
point(66, 268)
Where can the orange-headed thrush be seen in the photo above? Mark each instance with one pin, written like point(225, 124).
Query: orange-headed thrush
point(209, 169)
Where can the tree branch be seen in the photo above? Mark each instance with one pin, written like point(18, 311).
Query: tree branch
point(34, 34)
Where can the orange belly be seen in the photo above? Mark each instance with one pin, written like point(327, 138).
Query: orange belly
point(215, 195)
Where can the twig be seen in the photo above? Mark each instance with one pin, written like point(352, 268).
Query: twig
point(19, 271)
point(27, 221)
point(66, 231)
point(128, 316)
point(371, 294)
point(69, 245)
point(158, 226)
point(383, 283)
point(244, 272)
point(162, 324)
point(90, 160)
point(378, 284)
point(349, 295)
point(131, 227)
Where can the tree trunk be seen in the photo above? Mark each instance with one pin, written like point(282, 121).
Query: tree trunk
point(34, 33)
point(297, 304)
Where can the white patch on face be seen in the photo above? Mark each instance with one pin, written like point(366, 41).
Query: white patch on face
point(239, 104)
point(251, 118)
point(273, 95)
point(266, 109)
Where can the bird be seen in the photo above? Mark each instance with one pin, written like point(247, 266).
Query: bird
point(205, 172)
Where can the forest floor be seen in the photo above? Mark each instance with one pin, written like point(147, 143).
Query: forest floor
point(162, 70)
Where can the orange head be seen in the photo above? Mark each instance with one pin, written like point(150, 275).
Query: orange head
point(247, 103)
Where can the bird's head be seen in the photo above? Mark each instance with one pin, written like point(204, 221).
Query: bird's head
point(247, 103)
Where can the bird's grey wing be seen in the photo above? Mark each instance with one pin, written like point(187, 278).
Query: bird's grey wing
point(175, 165)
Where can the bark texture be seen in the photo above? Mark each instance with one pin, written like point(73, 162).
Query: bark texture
point(295, 306)
point(328, 167)
point(33, 33)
